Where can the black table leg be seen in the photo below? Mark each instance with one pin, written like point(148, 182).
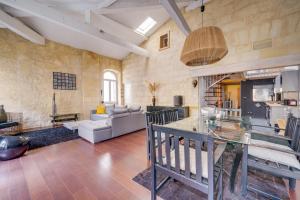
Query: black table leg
point(235, 166)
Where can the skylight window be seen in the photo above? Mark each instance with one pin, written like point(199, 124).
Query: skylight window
point(146, 26)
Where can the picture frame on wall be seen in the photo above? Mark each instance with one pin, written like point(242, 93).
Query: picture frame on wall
point(64, 81)
point(164, 41)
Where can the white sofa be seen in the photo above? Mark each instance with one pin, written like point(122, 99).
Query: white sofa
point(109, 109)
point(114, 126)
point(94, 131)
point(95, 117)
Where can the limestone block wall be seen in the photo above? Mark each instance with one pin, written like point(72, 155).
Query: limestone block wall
point(26, 78)
point(242, 21)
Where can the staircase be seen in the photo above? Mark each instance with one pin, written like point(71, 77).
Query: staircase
point(214, 93)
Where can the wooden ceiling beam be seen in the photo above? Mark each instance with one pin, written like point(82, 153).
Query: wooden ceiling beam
point(21, 29)
point(80, 5)
point(174, 12)
point(112, 27)
point(62, 19)
point(135, 6)
point(2, 26)
point(102, 11)
point(14, 12)
point(195, 4)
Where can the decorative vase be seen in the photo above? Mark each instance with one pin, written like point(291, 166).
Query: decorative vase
point(3, 115)
point(153, 100)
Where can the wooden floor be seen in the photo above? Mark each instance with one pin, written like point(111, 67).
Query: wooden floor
point(78, 170)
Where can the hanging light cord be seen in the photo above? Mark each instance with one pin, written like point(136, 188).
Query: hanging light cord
point(202, 8)
point(202, 11)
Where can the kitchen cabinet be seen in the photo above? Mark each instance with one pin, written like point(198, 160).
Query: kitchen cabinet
point(183, 111)
point(290, 81)
point(277, 84)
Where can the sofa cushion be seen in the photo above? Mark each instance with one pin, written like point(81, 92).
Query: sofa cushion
point(96, 117)
point(204, 163)
point(270, 144)
point(95, 125)
point(119, 111)
point(134, 108)
point(120, 115)
point(109, 108)
point(120, 107)
point(137, 112)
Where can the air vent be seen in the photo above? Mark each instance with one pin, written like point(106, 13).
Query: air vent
point(257, 45)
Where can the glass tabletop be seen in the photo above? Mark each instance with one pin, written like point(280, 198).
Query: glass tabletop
point(222, 129)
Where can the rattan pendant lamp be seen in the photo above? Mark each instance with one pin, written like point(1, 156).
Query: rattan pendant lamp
point(203, 46)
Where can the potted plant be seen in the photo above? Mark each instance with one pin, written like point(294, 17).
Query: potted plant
point(152, 87)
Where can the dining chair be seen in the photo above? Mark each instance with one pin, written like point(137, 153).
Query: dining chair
point(170, 115)
point(195, 166)
point(274, 158)
point(159, 117)
point(274, 135)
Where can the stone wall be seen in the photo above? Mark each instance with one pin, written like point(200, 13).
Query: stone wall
point(26, 78)
point(242, 21)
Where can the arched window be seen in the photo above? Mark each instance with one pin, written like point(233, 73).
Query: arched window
point(110, 87)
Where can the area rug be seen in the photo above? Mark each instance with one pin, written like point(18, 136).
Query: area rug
point(49, 136)
point(174, 190)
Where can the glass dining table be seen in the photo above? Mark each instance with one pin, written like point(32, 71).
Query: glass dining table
point(229, 130)
point(232, 131)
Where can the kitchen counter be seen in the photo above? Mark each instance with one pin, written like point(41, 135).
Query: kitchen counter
point(279, 111)
point(272, 104)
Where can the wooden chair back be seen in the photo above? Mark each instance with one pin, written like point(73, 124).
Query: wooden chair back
point(170, 115)
point(290, 126)
point(155, 118)
point(163, 164)
point(162, 117)
point(295, 144)
point(159, 117)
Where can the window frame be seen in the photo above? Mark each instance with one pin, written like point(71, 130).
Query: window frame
point(109, 87)
point(146, 26)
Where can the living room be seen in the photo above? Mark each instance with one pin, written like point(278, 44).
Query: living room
point(89, 87)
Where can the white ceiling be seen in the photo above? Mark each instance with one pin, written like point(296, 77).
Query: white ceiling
point(126, 13)
point(134, 19)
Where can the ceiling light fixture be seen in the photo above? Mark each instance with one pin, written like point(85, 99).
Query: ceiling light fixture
point(203, 46)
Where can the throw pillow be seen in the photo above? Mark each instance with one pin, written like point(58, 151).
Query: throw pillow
point(134, 108)
point(109, 108)
point(100, 109)
point(120, 107)
point(119, 111)
point(119, 115)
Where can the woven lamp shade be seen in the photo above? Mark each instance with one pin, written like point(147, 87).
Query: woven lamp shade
point(204, 46)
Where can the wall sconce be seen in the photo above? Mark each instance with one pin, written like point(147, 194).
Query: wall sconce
point(195, 83)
